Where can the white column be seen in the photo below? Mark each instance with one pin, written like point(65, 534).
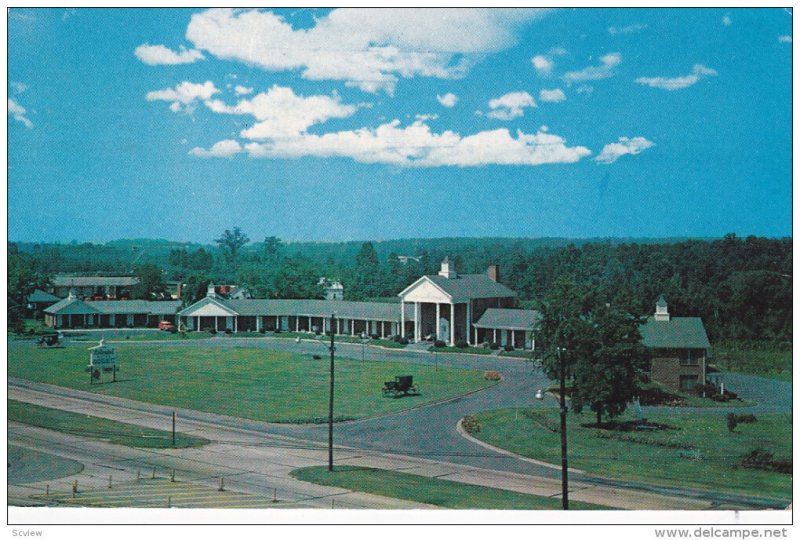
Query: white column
point(438, 319)
point(469, 322)
point(476, 335)
point(494, 333)
point(352, 327)
point(417, 329)
point(258, 323)
point(383, 329)
point(216, 323)
point(452, 325)
point(235, 324)
point(402, 319)
point(309, 324)
point(296, 323)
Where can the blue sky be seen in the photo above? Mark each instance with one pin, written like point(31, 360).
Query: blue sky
point(320, 125)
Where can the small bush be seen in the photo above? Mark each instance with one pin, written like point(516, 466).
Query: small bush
point(494, 346)
point(212, 332)
point(277, 331)
point(374, 336)
point(746, 419)
point(461, 344)
point(439, 343)
point(732, 421)
point(508, 348)
point(403, 341)
point(470, 424)
point(173, 330)
point(491, 375)
point(262, 331)
point(228, 331)
point(485, 344)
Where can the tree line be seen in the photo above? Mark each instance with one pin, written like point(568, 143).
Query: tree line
point(741, 287)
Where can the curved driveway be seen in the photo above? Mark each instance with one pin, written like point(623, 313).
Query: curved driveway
point(430, 431)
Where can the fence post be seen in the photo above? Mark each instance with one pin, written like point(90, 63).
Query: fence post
point(221, 484)
point(274, 494)
point(172, 476)
point(109, 481)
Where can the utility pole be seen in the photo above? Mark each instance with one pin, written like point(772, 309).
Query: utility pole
point(330, 403)
point(562, 392)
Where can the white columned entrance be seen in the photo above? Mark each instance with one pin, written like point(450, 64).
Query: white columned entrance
point(438, 320)
point(402, 318)
point(452, 325)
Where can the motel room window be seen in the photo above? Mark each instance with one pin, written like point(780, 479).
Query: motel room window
point(688, 382)
point(689, 357)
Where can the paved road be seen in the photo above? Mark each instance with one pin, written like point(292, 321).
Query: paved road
point(430, 431)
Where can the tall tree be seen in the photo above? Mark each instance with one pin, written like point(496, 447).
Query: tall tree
point(231, 242)
point(366, 275)
point(151, 282)
point(23, 279)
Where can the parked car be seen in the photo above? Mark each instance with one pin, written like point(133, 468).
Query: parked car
point(165, 325)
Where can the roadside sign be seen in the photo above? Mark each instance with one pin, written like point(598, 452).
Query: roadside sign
point(102, 356)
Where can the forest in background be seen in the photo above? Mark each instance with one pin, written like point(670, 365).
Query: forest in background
point(741, 287)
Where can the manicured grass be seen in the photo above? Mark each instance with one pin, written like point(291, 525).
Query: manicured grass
point(149, 336)
point(517, 353)
point(470, 350)
point(98, 428)
point(436, 491)
point(753, 358)
point(661, 457)
point(246, 382)
point(27, 466)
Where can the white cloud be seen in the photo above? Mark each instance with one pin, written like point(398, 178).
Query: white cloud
point(631, 29)
point(225, 149)
point(367, 48)
point(417, 146)
point(624, 146)
point(183, 96)
point(552, 96)
point(18, 112)
point(595, 73)
point(585, 89)
point(510, 105)
point(19, 87)
point(784, 39)
point(543, 65)
point(726, 21)
point(448, 100)
point(282, 113)
point(676, 83)
point(242, 90)
point(159, 55)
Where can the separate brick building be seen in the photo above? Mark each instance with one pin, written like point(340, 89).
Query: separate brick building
point(679, 348)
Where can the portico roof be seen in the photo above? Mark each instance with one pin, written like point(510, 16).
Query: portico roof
point(464, 287)
point(509, 319)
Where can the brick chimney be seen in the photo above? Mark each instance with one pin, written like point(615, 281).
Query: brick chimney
point(494, 273)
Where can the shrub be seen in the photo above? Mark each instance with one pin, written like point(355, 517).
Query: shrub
point(485, 344)
point(173, 330)
point(403, 341)
point(470, 424)
point(212, 331)
point(494, 346)
point(439, 343)
point(746, 419)
point(508, 348)
point(262, 331)
point(491, 375)
point(461, 344)
point(228, 331)
point(374, 336)
point(732, 421)
point(277, 331)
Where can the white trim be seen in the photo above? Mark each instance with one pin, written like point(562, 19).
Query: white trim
point(404, 292)
point(186, 311)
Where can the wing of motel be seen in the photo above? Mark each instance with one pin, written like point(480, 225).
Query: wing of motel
point(451, 307)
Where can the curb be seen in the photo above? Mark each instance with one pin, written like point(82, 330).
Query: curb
point(461, 431)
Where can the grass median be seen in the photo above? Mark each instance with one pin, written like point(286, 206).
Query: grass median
point(428, 490)
point(98, 428)
point(244, 381)
point(691, 450)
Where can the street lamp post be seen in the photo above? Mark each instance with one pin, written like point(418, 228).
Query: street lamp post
point(563, 404)
point(330, 403)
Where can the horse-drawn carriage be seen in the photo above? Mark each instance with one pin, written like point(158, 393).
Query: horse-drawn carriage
point(402, 385)
point(51, 340)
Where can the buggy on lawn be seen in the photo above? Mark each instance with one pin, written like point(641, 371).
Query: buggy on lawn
point(402, 385)
point(51, 340)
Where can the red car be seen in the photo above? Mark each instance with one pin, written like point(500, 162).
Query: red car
point(165, 325)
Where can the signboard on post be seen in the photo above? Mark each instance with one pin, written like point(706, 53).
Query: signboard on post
point(102, 358)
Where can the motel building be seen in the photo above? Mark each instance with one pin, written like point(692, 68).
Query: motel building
point(473, 308)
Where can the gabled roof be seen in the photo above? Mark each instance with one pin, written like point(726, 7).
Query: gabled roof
point(472, 286)
point(676, 333)
point(216, 300)
point(39, 296)
point(89, 281)
point(76, 306)
point(71, 306)
point(509, 319)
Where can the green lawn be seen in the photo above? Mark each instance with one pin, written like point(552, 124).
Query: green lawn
point(659, 457)
point(424, 489)
point(98, 428)
point(755, 359)
point(246, 382)
point(27, 466)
